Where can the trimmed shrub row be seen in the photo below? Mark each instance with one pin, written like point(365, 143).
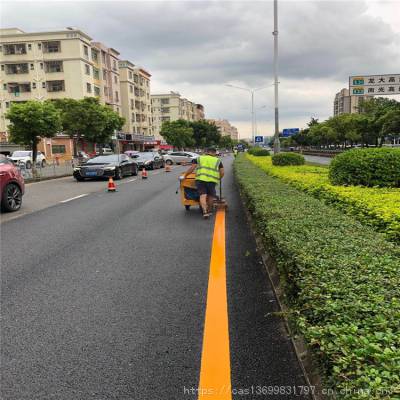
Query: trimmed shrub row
point(342, 281)
point(377, 207)
point(283, 159)
point(258, 151)
point(366, 167)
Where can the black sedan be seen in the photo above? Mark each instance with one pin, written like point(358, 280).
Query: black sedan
point(115, 165)
point(149, 160)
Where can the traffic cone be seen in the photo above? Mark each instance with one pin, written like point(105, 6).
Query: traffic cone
point(111, 185)
point(167, 168)
point(144, 173)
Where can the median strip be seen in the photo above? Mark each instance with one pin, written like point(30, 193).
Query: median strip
point(215, 372)
point(74, 198)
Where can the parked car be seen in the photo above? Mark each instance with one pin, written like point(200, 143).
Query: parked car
point(25, 156)
point(131, 153)
point(105, 151)
point(179, 157)
point(116, 166)
point(149, 160)
point(12, 185)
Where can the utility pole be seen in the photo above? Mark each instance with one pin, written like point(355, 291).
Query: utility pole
point(275, 33)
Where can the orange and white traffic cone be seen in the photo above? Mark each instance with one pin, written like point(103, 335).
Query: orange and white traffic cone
point(111, 185)
point(167, 168)
point(144, 173)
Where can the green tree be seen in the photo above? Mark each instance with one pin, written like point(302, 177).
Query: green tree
point(178, 133)
point(205, 134)
point(226, 142)
point(89, 119)
point(32, 120)
point(390, 123)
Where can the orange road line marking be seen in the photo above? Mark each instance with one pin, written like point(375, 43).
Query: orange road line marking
point(215, 372)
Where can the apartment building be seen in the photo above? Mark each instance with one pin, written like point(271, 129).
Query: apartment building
point(106, 75)
point(346, 104)
point(136, 101)
point(43, 65)
point(225, 128)
point(171, 107)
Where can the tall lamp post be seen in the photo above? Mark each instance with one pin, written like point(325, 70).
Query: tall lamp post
point(275, 33)
point(251, 91)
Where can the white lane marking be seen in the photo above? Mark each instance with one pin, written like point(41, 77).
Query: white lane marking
point(49, 180)
point(132, 180)
point(155, 173)
point(74, 198)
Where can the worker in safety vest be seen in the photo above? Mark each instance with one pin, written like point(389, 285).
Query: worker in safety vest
point(209, 171)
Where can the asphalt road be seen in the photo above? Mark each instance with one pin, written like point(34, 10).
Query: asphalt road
point(318, 159)
point(103, 297)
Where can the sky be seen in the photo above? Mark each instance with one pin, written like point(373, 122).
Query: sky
point(197, 47)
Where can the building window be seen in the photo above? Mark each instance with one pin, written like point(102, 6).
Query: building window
point(32, 67)
point(132, 104)
point(58, 148)
point(116, 96)
point(115, 79)
point(39, 46)
point(133, 117)
point(19, 48)
point(164, 101)
point(41, 65)
point(136, 78)
point(44, 85)
point(96, 73)
point(53, 66)
point(29, 46)
point(130, 75)
point(104, 74)
point(86, 51)
point(87, 69)
point(33, 85)
point(89, 88)
point(165, 110)
point(2, 67)
point(114, 65)
point(131, 88)
point(16, 69)
point(95, 56)
point(51, 47)
point(55, 86)
point(4, 86)
point(97, 91)
point(17, 88)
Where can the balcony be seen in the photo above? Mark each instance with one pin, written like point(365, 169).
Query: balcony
point(18, 88)
point(11, 49)
point(12, 69)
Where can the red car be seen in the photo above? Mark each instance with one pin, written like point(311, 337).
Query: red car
point(12, 185)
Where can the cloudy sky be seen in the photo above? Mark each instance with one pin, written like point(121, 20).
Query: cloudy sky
point(196, 47)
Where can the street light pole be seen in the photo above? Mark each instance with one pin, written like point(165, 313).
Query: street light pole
point(251, 91)
point(252, 117)
point(275, 33)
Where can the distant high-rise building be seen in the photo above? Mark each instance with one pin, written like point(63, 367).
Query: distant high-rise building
point(346, 104)
point(225, 128)
point(171, 107)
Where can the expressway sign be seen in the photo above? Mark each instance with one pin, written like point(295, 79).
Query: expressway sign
point(374, 85)
point(290, 132)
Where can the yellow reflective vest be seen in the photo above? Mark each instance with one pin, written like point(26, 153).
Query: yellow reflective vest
point(208, 169)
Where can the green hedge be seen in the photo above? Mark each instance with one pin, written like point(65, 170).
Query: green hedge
point(287, 159)
point(342, 282)
point(258, 151)
point(366, 167)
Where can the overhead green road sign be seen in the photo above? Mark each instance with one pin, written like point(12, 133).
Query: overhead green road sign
point(374, 85)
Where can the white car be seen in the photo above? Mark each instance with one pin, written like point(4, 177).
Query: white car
point(25, 157)
point(179, 157)
point(106, 151)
